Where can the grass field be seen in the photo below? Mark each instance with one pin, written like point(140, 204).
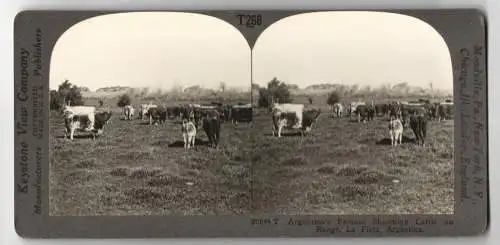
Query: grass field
point(341, 167)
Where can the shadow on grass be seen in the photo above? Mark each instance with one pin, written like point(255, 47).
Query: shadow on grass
point(404, 140)
point(180, 143)
point(286, 134)
point(80, 136)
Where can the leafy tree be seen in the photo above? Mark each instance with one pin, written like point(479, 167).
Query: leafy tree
point(56, 100)
point(71, 93)
point(333, 98)
point(66, 93)
point(276, 92)
point(123, 100)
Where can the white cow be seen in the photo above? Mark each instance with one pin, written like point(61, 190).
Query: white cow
point(88, 111)
point(129, 111)
point(395, 131)
point(188, 133)
point(338, 109)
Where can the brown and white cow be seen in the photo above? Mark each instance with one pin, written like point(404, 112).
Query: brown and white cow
point(145, 108)
point(88, 111)
point(293, 116)
point(80, 122)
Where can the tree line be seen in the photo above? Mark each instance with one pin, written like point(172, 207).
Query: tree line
point(276, 91)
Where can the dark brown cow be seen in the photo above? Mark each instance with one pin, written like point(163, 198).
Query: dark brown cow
point(418, 124)
point(158, 114)
point(444, 111)
point(241, 113)
point(365, 112)
point(381, 109)
point(211, 125)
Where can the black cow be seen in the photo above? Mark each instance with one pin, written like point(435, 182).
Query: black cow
point(365, 112)
point(418, 124)
point(241, 113)
point(158, 114)
point(211, 125)
point(444, 111)
point(381, 109)
point(309, 118)
point(395, 110)
point(411, 110)
point(177, 111)
point(103, 117)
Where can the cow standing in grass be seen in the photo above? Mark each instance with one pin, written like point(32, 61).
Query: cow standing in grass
point(418, 123)
point(81, 121)
point(381, 109)
point(157, 115)
point(396, 131)
point(211, 125)
point(353, 107)
point(365, 113)
point(338, 109)
point(144, 110)
point(128, 111)
point(293, 116)
point(188, 130)
point(444, 111)
point(241, 113)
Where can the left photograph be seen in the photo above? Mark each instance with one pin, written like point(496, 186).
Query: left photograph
point(148, 117)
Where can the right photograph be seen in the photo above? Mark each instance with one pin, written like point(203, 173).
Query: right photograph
point(353, 115)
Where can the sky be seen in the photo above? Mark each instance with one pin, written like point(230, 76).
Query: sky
point(364, 48)
point(156, 50)
point(163, 50)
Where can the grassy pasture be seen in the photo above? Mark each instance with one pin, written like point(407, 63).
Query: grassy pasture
point(341, 167)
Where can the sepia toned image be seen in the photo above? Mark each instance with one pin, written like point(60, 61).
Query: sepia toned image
point(354, 116)
point(239, 123)
point(148, 112)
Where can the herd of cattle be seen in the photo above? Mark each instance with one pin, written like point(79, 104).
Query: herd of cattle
point(193, 116)
point(209, 117)
point(402, 114)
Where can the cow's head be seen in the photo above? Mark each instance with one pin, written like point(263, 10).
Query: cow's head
point(310, 117)
point(101, 118)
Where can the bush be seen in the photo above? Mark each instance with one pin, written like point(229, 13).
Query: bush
point(101, 103)
point(67, 93)
point(123, 100)
point(56, 100)
point(276, 92)
point(333, 98)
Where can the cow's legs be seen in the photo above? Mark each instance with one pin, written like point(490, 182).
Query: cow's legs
point(193, 139)
point(279, 132)
point(72, 133)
